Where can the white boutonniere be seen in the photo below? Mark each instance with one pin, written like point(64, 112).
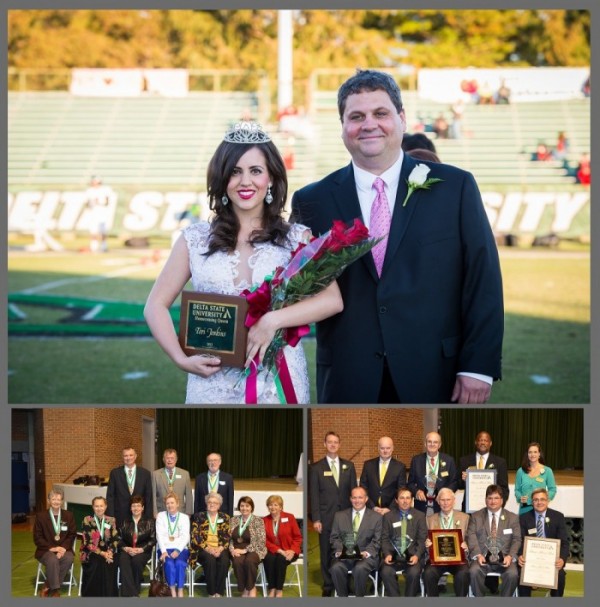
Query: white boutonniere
point(443, 464)
point(502, 517)
point(491, 466)
point(458, 523)
point(408, 517)
point(547, 519)
point(344, 467)
point(417, 180)
point(542, 470)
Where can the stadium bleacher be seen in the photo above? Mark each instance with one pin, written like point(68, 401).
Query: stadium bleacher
point(58, 140)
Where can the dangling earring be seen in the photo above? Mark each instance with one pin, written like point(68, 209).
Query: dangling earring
point(224, 200)
point(269, 196)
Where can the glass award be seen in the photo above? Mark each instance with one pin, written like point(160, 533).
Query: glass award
point(494, 546)
point(402, 548)
point(350, 549)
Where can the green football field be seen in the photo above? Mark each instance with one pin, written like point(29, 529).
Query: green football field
point(77, 334)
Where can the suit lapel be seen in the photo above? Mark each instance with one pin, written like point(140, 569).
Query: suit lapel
point(402, 215)
point(347, 208)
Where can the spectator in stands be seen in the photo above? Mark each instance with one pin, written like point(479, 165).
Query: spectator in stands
point(98, 200)
point(457, 109)
point(502, 96)
point(562, 146)
point(441, 126)
point(542, 152)
point(471, 88)
point(584, 170)
point(486, 95)
point(417, 141)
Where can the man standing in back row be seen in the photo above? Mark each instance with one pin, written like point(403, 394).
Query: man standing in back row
point(423, 314)
point(330, 483)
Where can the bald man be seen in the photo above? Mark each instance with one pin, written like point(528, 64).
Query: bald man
point(382, 476)
point(429, 472)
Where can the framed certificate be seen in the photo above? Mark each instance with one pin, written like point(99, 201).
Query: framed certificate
point(214, 324)
point(540, 555)
point(475, 485)
point(446, 547)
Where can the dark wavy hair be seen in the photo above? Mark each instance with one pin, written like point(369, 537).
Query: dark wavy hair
point(246, 499)
point(225, 226)
point(525, 461)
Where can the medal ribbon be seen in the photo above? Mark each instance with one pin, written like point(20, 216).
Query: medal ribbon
point(55, 522)
point(130, 474)
point(135, 533)
point(213, 479)
point(100, 527)
point(242, 528)
point(170, 479)
point(447, 521)
point(213, 528)
point(276, 528)
point(172, 529)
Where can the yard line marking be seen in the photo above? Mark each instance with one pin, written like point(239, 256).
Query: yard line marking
point(135, 375)
point(93, 312)
point(46, 286)
point(17, 311)
point(540, 379)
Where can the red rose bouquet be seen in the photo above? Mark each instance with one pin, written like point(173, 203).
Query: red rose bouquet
point(311, 269)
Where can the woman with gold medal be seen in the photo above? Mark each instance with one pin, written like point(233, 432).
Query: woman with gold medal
point(248, 546)
point(173, 537)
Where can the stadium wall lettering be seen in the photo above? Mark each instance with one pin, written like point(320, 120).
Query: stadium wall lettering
point(566, 213)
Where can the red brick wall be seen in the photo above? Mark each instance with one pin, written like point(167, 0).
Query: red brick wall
point(20, 431)
point(360, 429)
point(75, 442)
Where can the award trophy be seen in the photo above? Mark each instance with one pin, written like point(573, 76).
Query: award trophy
point(494, 546)
point(350, 548)
point(401, 547)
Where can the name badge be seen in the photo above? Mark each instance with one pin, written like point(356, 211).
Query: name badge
point(397, 524)
point(327, 473)
point(64, 528)
point(178, 476)
point(107, 526)
point(507, 531)
point(532, 531)
point(219, 520)
point(222, 483)
point(445, 473)
point(285, 520)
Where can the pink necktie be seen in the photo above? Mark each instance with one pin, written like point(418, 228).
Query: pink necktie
point(380, 223)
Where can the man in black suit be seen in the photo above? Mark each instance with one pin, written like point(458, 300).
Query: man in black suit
point(429, 472)
point(407, 555)
point(423, 314)
point(330, 482)
point(125, 481)
point(382, 477)
point(214, 480)
point(494, 540)
point(552, 525)
point(483, 459)
point(364, 527)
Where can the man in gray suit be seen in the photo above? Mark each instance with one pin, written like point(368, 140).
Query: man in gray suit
point(363, 526)
point(494, 539)
point(172, 479)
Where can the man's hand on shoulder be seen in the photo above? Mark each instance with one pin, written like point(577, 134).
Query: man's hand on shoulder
point(468, 391)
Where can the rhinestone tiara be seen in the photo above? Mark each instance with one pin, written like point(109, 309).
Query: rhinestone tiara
point(246, 132)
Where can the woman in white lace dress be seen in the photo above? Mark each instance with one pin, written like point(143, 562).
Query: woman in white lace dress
point(246, 240)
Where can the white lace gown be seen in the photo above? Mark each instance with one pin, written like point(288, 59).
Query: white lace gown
point(218, 273)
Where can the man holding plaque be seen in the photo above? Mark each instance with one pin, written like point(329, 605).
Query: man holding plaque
point(54, 532)
point(494, 540)
point(403, 545)
point(429, 472)
point(214, 479)
point(172, 479)
point(330, 482)
point(545, 522)
point(382, 477)
point(447, 518)
point(355, 542)
point(125, 481)
point(483, 459)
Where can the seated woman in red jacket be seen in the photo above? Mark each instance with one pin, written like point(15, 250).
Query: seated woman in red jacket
point(284, 544)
